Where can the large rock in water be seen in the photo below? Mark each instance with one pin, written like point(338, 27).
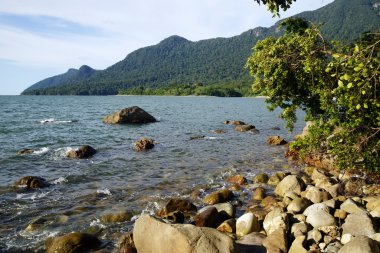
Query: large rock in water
point(73, 243)
point(32, 182)
point(152, 235)
point(85, 151)
point(130, 115)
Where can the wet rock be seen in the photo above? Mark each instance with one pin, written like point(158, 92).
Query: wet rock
point(236, 122)
point(252, 242)
point(316, 195)
point(276, 178)
point(237, 179)
point(207, 218)
point(126, 244)
point(276, 242)
point(276, 141)
point(152, 235)
point(175, 204)
point(218, 197)
point(175, 217)
point(259, 193)
point(32, 182)
point(25, 151)
point(197, 137)
point(247, 223)
point(45, 221)
point(261, 178)
point(246, 128)
point(85, 151)
point(130, 115)
point(269, 201)
point(225, 210)
point(297, 245)
point(361, 244)
point(358, 224)
point(72, 243)
point(276, 219)
point(226, 122)
point(290, 183)
point(143, 144)
point(218, 131)
point(120, 216)
point(228, 226)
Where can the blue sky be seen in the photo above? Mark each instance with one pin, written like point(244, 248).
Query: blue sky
point(42, 38)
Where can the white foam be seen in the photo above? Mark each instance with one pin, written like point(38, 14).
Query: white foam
point(32, 196)
point(41, 151)
point(54, 121)
point(211, 138)
point(105, 191)
point(60, 180)
point(97, 222)
point(50, 120)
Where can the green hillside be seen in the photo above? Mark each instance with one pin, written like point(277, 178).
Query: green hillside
point(211, 67)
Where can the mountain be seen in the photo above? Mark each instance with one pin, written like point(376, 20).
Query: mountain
point(219, 62)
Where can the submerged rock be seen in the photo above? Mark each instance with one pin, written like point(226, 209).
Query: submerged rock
point(25, 151)
point(85, 151)
point(130, 115)
point(245, 128)
point(261, 178)
point(218, 197)
point(237, 179)
point(144, 144)
point(152, 235)
point(72, 243)
point(116, 217)
point(32, 182)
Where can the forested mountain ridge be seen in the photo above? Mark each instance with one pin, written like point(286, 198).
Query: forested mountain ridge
point(219, 62)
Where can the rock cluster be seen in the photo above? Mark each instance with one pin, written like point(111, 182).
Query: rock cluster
point(309, 212)
point(32, 182)
point(143, 144)
point(85, 151)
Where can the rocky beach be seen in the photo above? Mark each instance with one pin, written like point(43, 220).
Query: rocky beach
point(313, 209)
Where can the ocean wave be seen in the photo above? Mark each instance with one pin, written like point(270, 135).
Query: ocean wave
point(54, 121)
point(32, 196)
point(62, 152)
point(104, 191)
point(41, 151)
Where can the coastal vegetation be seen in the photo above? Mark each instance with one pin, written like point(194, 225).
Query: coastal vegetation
point(337, 86)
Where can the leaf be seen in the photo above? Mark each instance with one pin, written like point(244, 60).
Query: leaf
point(363, 92)
point(358, 106)
point(349, 85)
point(365, 106)
point(340, 83)
point(356, 49)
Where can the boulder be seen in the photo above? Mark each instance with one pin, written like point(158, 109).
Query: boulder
point(246, 224)
point(261, 178)
point(32, 182)
point(299, 229)
point(360, 244)
point(320, 218)
point(237, 179)
point(85, 151)
point(207, 218)
point(276, 219)
point(358, 224)
point(130, 115)
point(218, 197)
point(245, 128)
point(152, 235)
point(252, 242)
point(316, 194)
point(174, 205)
point(351, 207)
point(72, 243)
point(373, 202)
point(290, 183)
point(314, 236)
point(236, 122)
point(276, 141)
point(225, 210)
point(276, 242)
point(143, 144)
point(297, 245)
point(25, 151)
point(228, 226)
point(298, 205)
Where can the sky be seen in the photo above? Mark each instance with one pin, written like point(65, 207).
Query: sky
point(43, 38)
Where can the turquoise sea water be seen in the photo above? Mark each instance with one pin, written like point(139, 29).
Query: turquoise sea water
point(118, 178)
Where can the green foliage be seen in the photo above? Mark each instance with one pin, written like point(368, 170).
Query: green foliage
point(338, 87)
point(275, 5)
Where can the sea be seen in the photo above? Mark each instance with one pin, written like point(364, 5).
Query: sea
point(188, 155)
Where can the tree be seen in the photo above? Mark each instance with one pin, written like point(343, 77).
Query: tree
point(337, 86)
point(275, 5)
